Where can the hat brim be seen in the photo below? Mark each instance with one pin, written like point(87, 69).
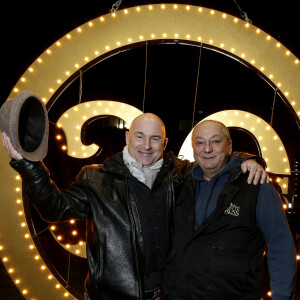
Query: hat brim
point(25, 120)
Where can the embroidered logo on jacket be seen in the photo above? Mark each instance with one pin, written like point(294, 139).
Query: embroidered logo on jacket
point(232, 210)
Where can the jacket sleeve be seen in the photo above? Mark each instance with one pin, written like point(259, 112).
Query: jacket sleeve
point(245, 156)
point(52, 203)
point(272, 221)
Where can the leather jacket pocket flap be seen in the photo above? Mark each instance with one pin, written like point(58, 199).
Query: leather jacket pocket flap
point(229, 264)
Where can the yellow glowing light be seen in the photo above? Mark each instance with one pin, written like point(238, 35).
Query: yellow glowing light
point(188, 7)
point(150, 7)
point(224, 16)
point(17, 281)
point(79, 29)
point(212, 12)
point(59, 237)
point(24, 292)
point(5, 259)
point(68, 36)
point(10, 270)
point(138, 9)
point(36, 257)
point(126, 11)
point(57, 286)
point(50, 277)
point(74, 232)
point(175, 6)
point(236, 20)
point(113, 14)
point(269, 293)
point(30, 69)
point(90, 24)
point(298, 257)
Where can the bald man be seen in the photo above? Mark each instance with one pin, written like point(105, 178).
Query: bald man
point(128, 202)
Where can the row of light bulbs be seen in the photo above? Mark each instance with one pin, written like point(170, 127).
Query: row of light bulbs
point(154, 36)
point(36, 257)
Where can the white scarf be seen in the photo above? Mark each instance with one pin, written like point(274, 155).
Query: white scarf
point(147, 175)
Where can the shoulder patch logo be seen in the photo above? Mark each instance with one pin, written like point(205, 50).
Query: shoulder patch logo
point(232, 210)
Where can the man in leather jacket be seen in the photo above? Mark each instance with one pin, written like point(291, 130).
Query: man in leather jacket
point(128, 202)
point(220, 234)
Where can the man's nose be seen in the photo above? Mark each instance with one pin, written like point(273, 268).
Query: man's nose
point(207, 147)
point(147, 144)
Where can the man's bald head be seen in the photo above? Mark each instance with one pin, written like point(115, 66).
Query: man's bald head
point(146, 139)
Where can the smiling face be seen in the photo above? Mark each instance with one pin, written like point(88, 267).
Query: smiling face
point(146, 139)
point(212, 147)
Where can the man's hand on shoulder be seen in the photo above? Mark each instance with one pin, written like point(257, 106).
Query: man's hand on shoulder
point(256, 172)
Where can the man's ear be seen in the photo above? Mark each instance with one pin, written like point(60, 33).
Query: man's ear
point(165, 143)
point(230, 147)
point(127, 137)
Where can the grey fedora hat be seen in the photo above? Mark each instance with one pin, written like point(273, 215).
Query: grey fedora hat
point(25, 120)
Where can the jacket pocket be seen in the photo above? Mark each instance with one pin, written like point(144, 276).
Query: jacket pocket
point(228, 277)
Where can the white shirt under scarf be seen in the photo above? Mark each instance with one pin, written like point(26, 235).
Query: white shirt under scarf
point(146, 175)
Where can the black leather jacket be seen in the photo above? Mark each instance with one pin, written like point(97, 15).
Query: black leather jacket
point(114, 237)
